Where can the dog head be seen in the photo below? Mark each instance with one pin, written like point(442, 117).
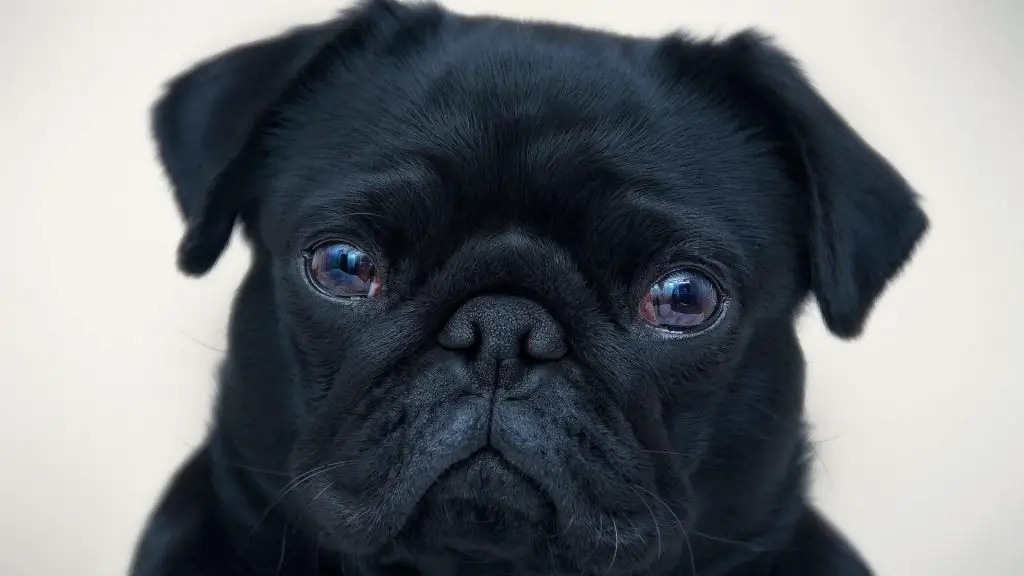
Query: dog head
point(524, 292)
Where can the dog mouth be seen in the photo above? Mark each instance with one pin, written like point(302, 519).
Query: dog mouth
point(483, 506)
point(486, 511)
point(517, 504)
point(538, 484)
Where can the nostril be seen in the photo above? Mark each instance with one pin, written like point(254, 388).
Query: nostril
point(524, 344)
point(459, 334)
point(476, 340)
point(545, 343)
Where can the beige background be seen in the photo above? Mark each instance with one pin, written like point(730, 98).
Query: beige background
point(107, 354)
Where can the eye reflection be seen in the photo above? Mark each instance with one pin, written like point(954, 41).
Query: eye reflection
point(343, 271)
point(680, 301)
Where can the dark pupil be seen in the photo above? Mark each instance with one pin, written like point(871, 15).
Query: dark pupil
point(350, 262)
point(684, 297)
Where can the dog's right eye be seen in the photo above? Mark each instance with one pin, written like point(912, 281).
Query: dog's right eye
point(342, 271)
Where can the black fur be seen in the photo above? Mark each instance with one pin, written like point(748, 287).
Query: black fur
point(501, 407)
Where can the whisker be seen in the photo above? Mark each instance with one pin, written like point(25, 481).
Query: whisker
point(371, 214)
point(747, 545)
point(551, 553)
point(568, 526)
point(686, 536)
point(310, 506)
point(766, 412)
point(288, 488)
point(596, 541)
point(812, 447)
point(284, 540)
point(637, 530)
point(201, 343)
point(693, 561)
point(654, 518)
point(825, 440)
point(615, 553)
point(663, 452)
point(253, 468)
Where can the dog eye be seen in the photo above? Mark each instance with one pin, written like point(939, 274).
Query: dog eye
point(342, 271)
point(681, 300)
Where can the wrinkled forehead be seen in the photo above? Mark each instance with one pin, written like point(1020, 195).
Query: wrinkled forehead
point(583, 147)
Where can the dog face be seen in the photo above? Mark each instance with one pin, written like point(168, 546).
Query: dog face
point(520, 292)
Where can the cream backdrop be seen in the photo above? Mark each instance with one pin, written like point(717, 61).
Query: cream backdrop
point(107, 356)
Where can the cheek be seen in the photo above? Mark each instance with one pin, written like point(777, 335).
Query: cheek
point(318, 326)
point(689, 384)
point(690, 419)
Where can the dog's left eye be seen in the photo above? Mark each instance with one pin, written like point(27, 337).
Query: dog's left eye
point(682, 301)
point(342, 271)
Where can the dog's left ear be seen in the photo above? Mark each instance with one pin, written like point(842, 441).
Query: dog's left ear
point(864, 219)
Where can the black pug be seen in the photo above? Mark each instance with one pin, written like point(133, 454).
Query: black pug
point(521, 300)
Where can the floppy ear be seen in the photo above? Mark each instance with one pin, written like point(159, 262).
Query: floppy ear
point(209, 114)
point(203, 122)
point(864, 219)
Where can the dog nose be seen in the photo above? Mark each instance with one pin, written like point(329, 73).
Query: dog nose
point(504, 327)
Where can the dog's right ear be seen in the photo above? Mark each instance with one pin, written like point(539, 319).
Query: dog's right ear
point(203, 122)
point(209, 114)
